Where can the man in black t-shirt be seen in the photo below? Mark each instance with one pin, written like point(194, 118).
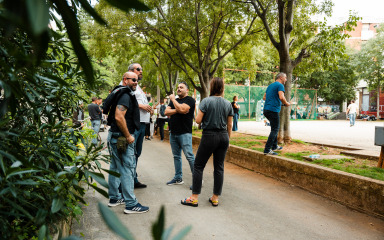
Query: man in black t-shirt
point(94, 112)
point(125, 121)
point(181, 111)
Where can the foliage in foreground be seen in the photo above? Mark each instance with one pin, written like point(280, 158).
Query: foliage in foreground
point(40, 165)
point(41, 170)
point(158, 228)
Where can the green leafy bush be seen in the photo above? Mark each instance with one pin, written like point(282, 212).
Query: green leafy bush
point(41, 75)
point(40, 168)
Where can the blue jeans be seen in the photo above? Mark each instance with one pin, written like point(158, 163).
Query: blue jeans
point(96, 127)
point(181, 142)
point(352, 118)
point(139, 138)
point(125, 164)
point(235, 120)
point(273, 118)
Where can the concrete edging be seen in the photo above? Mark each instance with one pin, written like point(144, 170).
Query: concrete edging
point(357, 192)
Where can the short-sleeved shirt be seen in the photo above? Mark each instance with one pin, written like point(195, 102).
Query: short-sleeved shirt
point(272, 101)
point(182, 123)
point(216, 111)
point(142, 99)
point(130, 116)
point(352, 108)
point(235, 110)
point(94, 111)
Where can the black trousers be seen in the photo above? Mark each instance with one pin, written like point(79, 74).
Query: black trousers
point(147, 130)
point(160, 124)
point(216, 143)
point(273, 118)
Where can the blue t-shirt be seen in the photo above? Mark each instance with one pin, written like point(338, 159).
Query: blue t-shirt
point(272, 101)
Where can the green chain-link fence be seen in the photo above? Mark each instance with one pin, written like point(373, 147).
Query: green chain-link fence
point(251, 101)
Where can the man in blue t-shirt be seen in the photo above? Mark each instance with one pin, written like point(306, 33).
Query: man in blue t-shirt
point(274, 97)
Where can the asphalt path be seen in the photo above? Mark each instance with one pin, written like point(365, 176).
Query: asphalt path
point(252, 206)
point(331, 132)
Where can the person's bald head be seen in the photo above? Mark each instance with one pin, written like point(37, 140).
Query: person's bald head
point(130, 80)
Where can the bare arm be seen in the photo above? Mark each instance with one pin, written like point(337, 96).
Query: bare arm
point(199, 117)
point(229, 125)
point(282, 98)
point(169, 111)
point(122, 124)
point(180, 108)
point(265, 96)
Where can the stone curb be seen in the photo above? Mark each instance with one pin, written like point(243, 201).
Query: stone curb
point(357, 192)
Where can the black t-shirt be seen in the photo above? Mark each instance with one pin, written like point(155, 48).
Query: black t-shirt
point(182, 123)
point(94, 111)
point(132, 116)
point(235, 110)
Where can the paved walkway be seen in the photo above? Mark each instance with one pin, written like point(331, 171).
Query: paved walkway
point(252, 207)
point(330, 132)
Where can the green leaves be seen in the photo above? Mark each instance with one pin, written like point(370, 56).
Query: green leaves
point(158, 231)
point(158, 226)
point(126, 5)
point(38, 15)
point(42, 232)
point(57, 204)
point(114, 223)
point(42, 78)
point(89, 9)
point(72, 27)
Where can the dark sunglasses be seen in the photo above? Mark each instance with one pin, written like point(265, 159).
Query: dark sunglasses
point(139, 69)
point(133, 79)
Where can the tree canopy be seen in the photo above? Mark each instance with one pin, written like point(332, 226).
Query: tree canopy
point(296, 36)
point(194, 36)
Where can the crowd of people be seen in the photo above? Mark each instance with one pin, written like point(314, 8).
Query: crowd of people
point(131, 120)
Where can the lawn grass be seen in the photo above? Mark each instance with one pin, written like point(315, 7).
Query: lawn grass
point(299, 141)
point(344, 164)
point(297, 156)
point(366, 171)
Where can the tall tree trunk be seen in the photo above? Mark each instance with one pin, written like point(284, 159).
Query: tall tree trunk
point(378, 102)
point(284, 128)
point(204, 80)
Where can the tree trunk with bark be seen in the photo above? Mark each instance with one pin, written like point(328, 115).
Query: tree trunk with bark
point(284, 128)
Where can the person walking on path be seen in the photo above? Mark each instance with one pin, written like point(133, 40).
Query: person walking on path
point(181, 111)
point(95, 113)
point(236, 108)
point(351, 113)
point(78, 116)
point(121, 146)
point(215, 115)
point(145, 114)
point(162, 118)
point(274, 97)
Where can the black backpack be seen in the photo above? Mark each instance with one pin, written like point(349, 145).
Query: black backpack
point(162, 110)
point(109, 105)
